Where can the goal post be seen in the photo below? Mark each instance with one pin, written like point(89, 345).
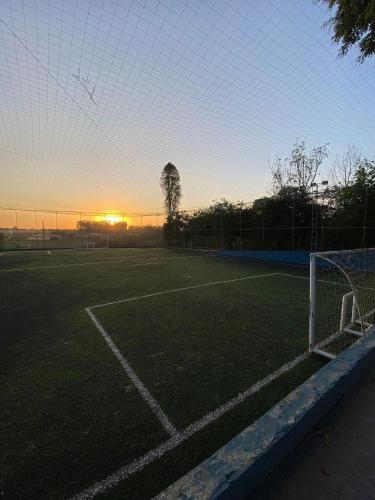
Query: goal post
point(342, 297)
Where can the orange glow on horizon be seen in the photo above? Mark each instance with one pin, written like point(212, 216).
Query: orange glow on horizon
point(112, 219)
point(51, 220)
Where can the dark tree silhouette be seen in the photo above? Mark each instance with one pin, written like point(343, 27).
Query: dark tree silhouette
point(171, 187)
point(299, 169)
point(353, 23)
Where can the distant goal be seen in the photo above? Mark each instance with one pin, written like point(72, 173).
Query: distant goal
point(342, 298)
point(93, 245)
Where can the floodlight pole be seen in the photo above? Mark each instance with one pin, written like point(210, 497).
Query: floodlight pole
point(44, 243)
point(263, 220)
point(292, 208)
point(312, 310)
point(241, 226)
point(126, 234)
point(324, 183)
point(36, 228)
point(157, 230)
point(221, 233)
point(18, 243)
point(314, 189)
point(364, 219)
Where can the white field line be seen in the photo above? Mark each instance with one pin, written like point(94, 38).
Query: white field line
point(174, 290)
point(173, 442)
point(109, 260)
point(168, 445)
point(328, 282)
point(113, 260)
point(329, 339)
point(157, 262)
point(152, 403)
point(129, 257)
point(307, 278)
point(179, 437)
point(28, 252)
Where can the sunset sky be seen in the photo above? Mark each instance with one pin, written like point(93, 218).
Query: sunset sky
point(216, 87)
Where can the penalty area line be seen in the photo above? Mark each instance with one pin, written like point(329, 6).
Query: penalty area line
point(142, 389)
point(173, 442)
point(174, 290)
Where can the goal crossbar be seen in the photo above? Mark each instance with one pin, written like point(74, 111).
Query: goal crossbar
point(357, 273)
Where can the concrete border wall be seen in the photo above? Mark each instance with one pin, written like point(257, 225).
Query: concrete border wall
point(238, 467)
point(299, 258)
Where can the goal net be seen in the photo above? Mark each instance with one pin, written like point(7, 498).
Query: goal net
point(342, 298)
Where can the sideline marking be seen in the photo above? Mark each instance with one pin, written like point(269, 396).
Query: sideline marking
point(138, 464)
point(164, 292)
point(109, 260)
point(179, 437)
point(152, 403)
point(113, 261)
point(171, 443)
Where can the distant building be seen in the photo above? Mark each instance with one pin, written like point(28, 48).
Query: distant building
point(38, 237)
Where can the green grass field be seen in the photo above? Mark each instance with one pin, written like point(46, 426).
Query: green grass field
point(124, 397)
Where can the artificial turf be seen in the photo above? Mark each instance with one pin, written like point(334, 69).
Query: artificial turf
point(70, 414)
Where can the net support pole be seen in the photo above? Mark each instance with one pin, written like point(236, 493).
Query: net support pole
point(312, 311)
point(344, 310)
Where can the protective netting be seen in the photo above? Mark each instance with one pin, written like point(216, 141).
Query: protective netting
point(344, 298)
point(205, 243)
point(26, 229)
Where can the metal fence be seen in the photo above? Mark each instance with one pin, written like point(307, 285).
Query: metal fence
point(282, 238)
point(49, 229)
point(268, 224)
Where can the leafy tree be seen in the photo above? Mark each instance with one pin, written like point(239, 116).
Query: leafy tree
point(217, 225)
point(353, 23)
point(353, 209)
point(171, 187)
point(175, 229)
point(286, 217)
point(351, 197)
point(299, 169)
point(346, 167)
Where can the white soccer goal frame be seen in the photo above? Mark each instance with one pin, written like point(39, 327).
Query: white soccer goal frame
point(349, 300)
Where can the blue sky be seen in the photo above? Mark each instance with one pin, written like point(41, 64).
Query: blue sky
point(219, 88)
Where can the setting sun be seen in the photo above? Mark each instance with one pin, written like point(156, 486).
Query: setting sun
point(112, 219)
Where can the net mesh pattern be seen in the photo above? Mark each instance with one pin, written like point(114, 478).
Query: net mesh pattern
point(344, 276)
